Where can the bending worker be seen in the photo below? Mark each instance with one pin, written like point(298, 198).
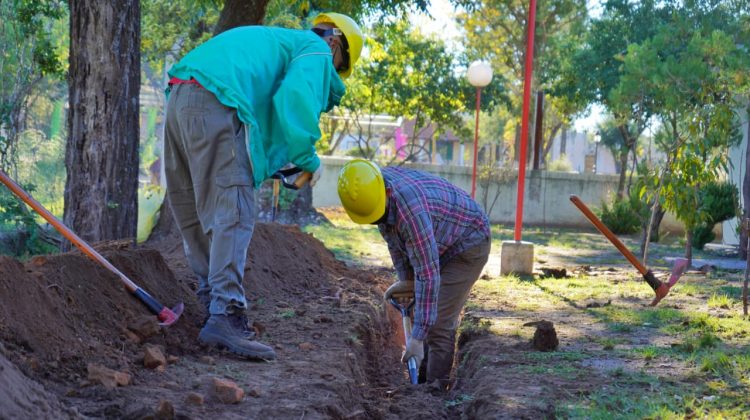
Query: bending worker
point(242, 105)
point(437, 236)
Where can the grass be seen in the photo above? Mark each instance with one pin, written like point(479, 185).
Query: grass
point(689, 357)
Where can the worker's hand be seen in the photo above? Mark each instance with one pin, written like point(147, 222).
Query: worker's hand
point(400, 288)
point(414, 348)
point(316, 175)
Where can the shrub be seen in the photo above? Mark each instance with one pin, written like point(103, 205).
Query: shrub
point(720, 202)
point(623, 216)
point(561, 164)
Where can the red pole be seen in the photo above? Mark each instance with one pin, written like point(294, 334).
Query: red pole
point(476, 146)
point(525, 118)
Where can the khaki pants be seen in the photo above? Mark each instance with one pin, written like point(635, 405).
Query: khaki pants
point(456, 279)
point(209, 184)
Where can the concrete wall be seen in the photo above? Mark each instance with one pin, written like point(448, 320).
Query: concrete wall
point(546, 199)
point(736, 175)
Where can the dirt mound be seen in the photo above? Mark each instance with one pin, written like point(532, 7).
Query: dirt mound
point(20, 397)
point(337, 345)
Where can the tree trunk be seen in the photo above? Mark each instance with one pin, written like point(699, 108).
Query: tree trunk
point(653, 236)
point(745, 195)
point(101, 155)
point(241, 13)
point(627, 145)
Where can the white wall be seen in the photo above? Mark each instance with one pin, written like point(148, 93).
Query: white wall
point(546, 197)
point(577, 146)
point(736, 176)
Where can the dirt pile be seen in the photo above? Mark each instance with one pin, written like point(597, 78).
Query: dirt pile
point(337, 345)
point(20, 397)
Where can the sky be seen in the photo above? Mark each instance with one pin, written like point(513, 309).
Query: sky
point(443, 25)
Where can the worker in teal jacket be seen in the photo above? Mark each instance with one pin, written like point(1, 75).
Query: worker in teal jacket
point(241, 106)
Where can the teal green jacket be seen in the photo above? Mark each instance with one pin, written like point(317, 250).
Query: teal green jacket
point(279, 81)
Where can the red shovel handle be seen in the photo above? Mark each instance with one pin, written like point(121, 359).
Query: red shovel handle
point(608, 233)
point(166, 315)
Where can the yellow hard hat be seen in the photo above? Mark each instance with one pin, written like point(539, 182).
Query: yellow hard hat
point(362, 191)
point(351, 31)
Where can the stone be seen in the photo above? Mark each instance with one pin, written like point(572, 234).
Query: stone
point(153, 357)
point(145, 326)
point(194, 398)
point(305, 346)
point(227, 391)
point(165, 410)
point(108, 377)
point(517, 257)
point(208, 360)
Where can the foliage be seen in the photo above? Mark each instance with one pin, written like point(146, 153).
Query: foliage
point(495, 30)
point(720, 202)
point(561, 164)
point(27, 53)
point(624, 216)
point(691, 72)
point(406, 74)
point(19, 223)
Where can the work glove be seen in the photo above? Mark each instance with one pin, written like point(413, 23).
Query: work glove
point(316, 175)
point(414, 348)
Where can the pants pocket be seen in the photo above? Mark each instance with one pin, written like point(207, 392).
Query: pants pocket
point(235, 202)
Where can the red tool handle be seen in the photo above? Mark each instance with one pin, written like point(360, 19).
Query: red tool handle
point(64, 230)
point(608, 233)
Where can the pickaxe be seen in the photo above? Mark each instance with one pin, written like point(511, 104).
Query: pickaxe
point(661, 289)
point(401, 296)
point(166, 316)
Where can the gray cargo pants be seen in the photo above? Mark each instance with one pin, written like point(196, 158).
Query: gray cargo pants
point(456, 279)
point(210, 188)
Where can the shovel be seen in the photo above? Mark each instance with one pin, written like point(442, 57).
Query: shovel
point(660, 289)
point(166, 316)
point(402, 298)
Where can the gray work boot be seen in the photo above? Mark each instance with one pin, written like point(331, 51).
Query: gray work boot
point(230, 331)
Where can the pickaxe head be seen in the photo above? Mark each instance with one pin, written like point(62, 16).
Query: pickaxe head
point(678, 269)
point(168, 316)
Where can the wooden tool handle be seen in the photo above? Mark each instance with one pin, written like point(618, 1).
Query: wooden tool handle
point(608, 233)
point(303, 179)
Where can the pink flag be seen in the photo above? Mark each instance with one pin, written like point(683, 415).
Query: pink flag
point(400, 141)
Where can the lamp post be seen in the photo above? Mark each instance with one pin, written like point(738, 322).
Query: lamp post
point(597, 139)
point(479, 75)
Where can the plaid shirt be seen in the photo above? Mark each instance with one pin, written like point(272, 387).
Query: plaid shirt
point(428, 222)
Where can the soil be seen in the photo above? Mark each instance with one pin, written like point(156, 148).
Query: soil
point(337, 345)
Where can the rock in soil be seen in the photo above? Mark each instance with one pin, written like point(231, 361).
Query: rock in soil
point(545, 336)
point(110, 378)
point(153, 357)
point(227, 391)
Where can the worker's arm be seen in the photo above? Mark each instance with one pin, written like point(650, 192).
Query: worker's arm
point(404, 271)
point(310, 86)
point(415, 226)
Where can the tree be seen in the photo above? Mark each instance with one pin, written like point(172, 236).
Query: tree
point(496, 30)
point(691, 73)
point(408, 75)
point(594, 70)
point(101, 156)
point(27, 54)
